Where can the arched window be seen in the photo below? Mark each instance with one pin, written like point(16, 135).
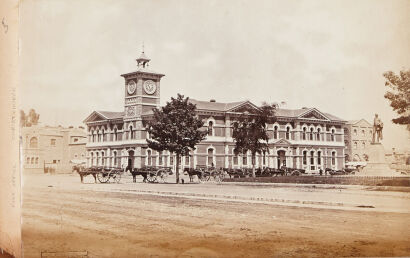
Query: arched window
point(171, 160)
point(318, 134)
point(287, 133)
point(187, 160)
point(355, 132)
point(355, 145)
point(363, 133)
point(115, 134)
point(115, 158)
point(311, 134)
point(333, 158)
point(103, 135)
point(160, 159)
point(37, 160)
point(244, 159)
point(235, 158)
point(304, 133)
point(363, 145)
point(32, 161)
point(33, 142)
point(210, 128)
point(92, 159)
point(332, 136)
point(28, 160)
point(131, 133)
point(102, 158)
point(319, 157)
point(97, 159)
point(346, 143)
point(304, 157)
point(312, 157)
point(149, 158)
point(211, 157)
point(92, 136)
point(275, 132)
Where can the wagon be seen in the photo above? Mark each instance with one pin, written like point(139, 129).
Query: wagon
point(103, 174)
point(205, 173)
point(151, 174)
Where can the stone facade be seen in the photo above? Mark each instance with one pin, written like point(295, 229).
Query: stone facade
point(303, 138)
point(52, 146)
point(358, 136)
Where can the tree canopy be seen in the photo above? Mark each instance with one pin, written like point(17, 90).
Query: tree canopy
point(399, 96)
point(176, 128)
point(30, 119)
point(250, 131)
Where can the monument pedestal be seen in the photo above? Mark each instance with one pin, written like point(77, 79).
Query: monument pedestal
point(377, 165)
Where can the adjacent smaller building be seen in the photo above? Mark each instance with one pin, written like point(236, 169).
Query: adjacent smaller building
point(55, 147)
point(358, 136)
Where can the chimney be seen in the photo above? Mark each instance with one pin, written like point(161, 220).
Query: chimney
point(212, 100)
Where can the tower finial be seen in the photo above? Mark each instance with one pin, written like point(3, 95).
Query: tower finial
point(142, 46)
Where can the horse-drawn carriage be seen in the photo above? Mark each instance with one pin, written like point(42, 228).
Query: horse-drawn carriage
point(151, 174)
point(103, 174)
point(205, 173)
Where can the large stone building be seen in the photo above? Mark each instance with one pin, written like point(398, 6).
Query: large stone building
point(56, 147)
point(301, 138)
point(358, 136)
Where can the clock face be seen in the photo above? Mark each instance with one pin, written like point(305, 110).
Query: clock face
point(150, 87)
point(131, 87)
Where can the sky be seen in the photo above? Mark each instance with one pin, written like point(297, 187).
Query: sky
point(325, 54)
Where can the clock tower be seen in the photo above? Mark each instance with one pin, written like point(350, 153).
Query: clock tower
point(142, 94)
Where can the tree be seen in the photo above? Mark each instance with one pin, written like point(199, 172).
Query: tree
point(176, 128)
point(30, 119)
point(250, 132)
point(399, 96)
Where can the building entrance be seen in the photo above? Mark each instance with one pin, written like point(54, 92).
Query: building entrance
point(130, 164)
point(281, 158)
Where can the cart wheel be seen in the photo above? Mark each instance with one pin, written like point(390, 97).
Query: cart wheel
point(150, 178)
point(103, 177)
point(116, 177)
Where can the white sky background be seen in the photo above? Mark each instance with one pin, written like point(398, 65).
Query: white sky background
point(325, 54)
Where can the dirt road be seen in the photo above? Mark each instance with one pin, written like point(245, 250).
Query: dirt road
point(107, 224)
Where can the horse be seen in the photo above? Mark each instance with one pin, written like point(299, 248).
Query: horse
point(135, 172)
point(193, 172)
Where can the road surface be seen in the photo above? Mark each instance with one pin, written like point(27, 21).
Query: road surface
point(61, 216)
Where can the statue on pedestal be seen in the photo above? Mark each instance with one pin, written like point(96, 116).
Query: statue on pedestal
point(377, 129)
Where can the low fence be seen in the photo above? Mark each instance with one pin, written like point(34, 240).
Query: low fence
point(339, 180)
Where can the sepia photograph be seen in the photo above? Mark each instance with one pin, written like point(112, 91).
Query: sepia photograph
point(201, 128)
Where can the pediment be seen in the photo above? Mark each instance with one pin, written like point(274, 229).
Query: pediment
point(246, 107)
point(94, 117)
point(282, 142)
point(314, 114)
point(363, 123)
